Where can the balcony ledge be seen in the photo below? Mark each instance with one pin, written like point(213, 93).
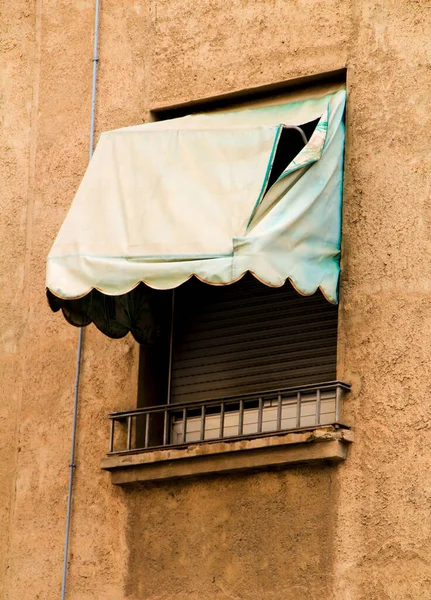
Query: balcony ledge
point(319, 445)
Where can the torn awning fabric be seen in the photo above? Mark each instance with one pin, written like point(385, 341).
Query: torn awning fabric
point(166, 201)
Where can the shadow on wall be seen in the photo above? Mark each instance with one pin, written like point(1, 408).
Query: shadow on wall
point(248, 536)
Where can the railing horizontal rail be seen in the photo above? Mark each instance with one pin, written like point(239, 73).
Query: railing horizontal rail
point(304, 389)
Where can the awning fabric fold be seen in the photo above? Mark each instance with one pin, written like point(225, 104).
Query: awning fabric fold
point(164, 201)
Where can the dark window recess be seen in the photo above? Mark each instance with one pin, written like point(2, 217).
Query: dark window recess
point(247, 338)
point(153, 374)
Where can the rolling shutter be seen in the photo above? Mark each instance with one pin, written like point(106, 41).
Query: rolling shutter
point(247, 337)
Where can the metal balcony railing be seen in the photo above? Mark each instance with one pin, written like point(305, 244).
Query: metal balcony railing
point(227, 419)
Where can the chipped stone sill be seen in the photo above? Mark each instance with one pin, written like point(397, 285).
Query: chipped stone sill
point(321, 445)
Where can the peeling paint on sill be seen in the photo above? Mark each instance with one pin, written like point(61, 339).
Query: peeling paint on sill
point(323, 444)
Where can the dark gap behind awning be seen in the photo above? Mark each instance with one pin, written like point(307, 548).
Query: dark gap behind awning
point(141, 312)
point(290, 144)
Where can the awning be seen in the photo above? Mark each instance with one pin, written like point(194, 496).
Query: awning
point(164, 201)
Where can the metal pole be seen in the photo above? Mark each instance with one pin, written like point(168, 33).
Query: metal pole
point(72, 465)
point(171, 343)
point(299, 130)
point(95, 61)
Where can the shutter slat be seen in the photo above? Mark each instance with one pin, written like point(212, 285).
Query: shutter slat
point(248, 337)
point(213, 361)
point(262, 338)
point(262, 324)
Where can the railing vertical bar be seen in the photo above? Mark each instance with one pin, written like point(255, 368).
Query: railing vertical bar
point(129, 433)
point(298, 409)
point(147, 430)
point(241, 417)
point(318, 405)
point(165, 428)
point(202, 422)
point(184, 424)
point(171, 343)
point(279, 409)
point(111, 436)
point(221, 434)
point(337, 403)
point(260, 416)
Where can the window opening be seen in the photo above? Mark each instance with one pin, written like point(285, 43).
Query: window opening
point(238, 360)
point(295, 396)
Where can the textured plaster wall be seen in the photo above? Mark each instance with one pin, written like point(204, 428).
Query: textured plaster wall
point(46, 79)
point(16, 68)
point(248, 536)
point(358, 531)
point(383, 529)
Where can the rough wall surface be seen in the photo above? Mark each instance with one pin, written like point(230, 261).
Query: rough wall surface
point(358, 531)
point(16, 69)
point(384, 528)
point(247, 536)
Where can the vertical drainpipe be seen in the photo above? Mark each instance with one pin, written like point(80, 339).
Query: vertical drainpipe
point(72, 465)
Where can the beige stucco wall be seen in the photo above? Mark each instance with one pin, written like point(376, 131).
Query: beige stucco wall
point(357, 531)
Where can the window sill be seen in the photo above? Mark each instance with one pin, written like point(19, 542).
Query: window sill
point(323, 444)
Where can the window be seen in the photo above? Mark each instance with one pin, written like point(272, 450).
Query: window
point(232, 361)
point(242, 359)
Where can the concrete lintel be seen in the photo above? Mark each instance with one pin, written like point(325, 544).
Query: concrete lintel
point(170, 111)
point(320, 445)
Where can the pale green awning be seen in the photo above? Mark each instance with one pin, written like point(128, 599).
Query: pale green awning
point(163, 201)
